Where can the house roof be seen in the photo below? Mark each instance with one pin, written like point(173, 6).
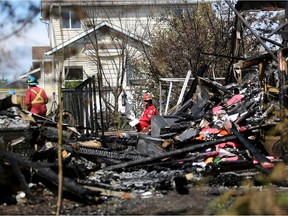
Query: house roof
point(35, 71)
point(38, 52)
point(47, 5)
point(19, 84)
point(110, 2)
point(95, 29)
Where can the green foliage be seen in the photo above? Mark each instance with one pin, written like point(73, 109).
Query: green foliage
point(203, 35)
point(3, 82)
point(282, 199)
point(181, 45)
point(72, 84)
point(252, 200)
point(186, 42)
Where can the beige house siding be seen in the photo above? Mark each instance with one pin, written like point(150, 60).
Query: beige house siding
point(130, 18)
point(135, 19)
point(58, 35)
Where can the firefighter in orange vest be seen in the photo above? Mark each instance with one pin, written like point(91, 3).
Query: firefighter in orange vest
point(36, 98)
point(144, 124)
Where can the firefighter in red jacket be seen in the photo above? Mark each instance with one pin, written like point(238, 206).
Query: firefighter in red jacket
point(36, 98)
point(144, 124)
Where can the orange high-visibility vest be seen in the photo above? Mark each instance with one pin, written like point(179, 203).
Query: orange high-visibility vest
point(38, 99)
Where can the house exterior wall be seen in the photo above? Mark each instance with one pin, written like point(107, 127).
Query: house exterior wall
point(136, 17)
point(59, 35)
point(133, 17)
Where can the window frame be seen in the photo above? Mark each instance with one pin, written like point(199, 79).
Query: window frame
point(131, 74)
point(77, 79)
point(70, 20)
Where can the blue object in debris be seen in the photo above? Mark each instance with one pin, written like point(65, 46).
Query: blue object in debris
point(11, 92)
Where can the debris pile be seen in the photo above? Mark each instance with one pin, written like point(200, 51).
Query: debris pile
point(221, 130)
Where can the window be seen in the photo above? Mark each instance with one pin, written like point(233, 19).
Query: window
point(73, 76)
point(178, 12)
point(134, 74)
point(70, 20)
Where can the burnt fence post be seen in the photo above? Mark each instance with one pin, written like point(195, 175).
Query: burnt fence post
point(81, 102)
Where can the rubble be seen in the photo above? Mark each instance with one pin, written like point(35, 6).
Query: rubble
point(219, 132)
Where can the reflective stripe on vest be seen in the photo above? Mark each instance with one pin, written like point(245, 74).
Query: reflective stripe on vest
point(38, 99)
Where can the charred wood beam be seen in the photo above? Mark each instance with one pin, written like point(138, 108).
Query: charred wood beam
point(81, 150)
point(7, 113)
point(257, 60)
point(266, 163)
point(49, 175)
point(249, 113)
point(167, 135)
point(41, 118)
point(260, 5)
point(22, 181)
point(177, 152)
point(172, 153)
point(274, 57)
point(69, 186)
point(183, 107)
point(187, 100)
point(273, 42)
point(242, 107)
point(224, 56)
point(251, 62)
point(6, 103)
point(193, 157)
point(281, 73)
point(224, 166)
point(189, 94)
point(214, 85)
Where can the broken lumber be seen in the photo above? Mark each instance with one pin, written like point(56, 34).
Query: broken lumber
point(49, 175)
point(172, 153)
point(266, 163)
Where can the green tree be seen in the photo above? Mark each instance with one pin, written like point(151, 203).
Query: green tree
point(3, 82)
point(199, 36)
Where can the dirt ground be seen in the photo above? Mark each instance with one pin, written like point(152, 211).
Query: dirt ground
point(201, 200)
point(171, 203)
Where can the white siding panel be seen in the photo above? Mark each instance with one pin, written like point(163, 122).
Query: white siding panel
point(63, 35)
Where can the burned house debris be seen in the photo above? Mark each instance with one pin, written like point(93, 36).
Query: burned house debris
point(216, 130)
point(224, 130)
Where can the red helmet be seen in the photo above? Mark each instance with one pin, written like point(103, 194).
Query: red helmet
point(147, 97)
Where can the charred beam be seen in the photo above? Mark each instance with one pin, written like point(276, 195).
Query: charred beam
point(88, 151)
point(260, 5)
point(172, 153)
point(224, 56)
point(273, 42)
point(49, 175)
point(253, 32)
point(200, 73)
point(193, 157)
point(266, 163)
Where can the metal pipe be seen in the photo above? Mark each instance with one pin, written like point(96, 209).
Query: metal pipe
point(168, 98)
point(184, 87)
